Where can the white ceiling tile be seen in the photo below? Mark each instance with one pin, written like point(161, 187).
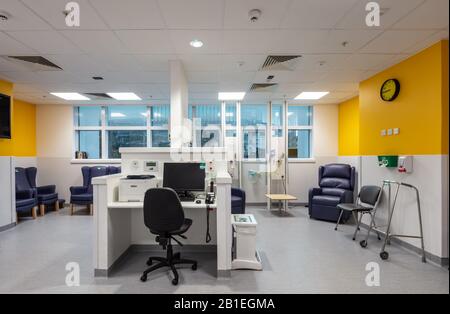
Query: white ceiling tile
point(236, 76)
point(20, 17)
point(316, 14)
point(229, 86)
point(367, 61)
point(11, 46)
point(192, 14)
point(237, 13)
point(203, 88)
point(396, 9)
point(145, 14)
point(344, 76)
point(94, 41)
point(154, 62)
point(433, 14)
point(322, 62)
point(137, 77)
point(203, 77)
point(212, 41)
point(395, 41)
point(197, 62)
point(145, 41)
point(52, 12)
point(299, 41)
point(46, 42)
point(355, 39)
point(438, 36)
point(301, 76)
point(246, 63)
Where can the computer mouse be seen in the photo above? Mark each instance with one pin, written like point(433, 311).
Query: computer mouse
point(198, 201)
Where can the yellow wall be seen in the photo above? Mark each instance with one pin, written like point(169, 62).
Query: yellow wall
point(420, 111)
point(23, 142)
point(349, 127)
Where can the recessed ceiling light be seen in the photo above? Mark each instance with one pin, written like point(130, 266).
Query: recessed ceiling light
point(124, 96)
point(196, 43)
point(70, 96)
point(232, 96)
point(311, 95)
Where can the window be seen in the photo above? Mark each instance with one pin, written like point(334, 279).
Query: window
point(277, 120)
point(299, 132)
point(230, 120)
point(254, 129)
point(101, 131)
point(206, 125)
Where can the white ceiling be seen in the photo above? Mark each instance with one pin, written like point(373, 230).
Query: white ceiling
point(130, 44)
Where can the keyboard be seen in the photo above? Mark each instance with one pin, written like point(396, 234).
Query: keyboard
point(187, 198)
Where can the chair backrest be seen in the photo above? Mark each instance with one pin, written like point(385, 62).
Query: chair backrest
point(337, 176)
point(22, 181)
point(369, 194)
point(31, 174)
point(92, 172)
point(162, 210)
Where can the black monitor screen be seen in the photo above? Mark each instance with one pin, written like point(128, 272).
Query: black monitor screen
point(184, 176)
point(5, 116)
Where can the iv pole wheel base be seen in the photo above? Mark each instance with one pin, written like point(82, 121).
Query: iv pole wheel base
point(384, 255)
point(363, 244)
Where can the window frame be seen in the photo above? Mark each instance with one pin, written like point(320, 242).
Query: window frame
point(310, 128)
point(104, 128)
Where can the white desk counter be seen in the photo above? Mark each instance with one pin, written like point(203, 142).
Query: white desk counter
point(119, 226)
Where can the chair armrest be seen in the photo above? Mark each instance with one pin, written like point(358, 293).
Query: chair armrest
point(237, 192)
point(47, 189)
point(311, 194)
point(24, 194)
point(75, 190)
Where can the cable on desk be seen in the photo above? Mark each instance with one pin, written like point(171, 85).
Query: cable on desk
point(208, 234)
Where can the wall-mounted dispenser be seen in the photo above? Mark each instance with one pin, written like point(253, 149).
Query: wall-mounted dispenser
point(405, 164)
point(388, 161)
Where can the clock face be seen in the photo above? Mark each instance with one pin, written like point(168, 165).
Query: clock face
point(390, 90)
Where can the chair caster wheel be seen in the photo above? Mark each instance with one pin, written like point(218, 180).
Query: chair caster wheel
point(384, 255)
point(194, 267)
point(363, 244)
point(143, 278)
point(149, 262)
point(175, 281)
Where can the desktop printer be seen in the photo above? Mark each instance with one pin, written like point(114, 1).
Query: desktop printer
point(133, 188)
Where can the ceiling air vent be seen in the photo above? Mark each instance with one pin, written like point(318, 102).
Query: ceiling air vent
point(263, 87)
point(99, 95)
point(34, 63)
point(280, 63)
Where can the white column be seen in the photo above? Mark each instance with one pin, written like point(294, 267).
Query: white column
point(224, 235)
point(179, 136)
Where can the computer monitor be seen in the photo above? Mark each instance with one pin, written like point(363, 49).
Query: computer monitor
point(184, 177)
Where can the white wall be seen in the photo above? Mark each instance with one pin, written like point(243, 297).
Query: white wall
point(428, 176)
point(6, 192)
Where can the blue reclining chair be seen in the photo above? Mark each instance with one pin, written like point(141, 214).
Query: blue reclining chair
point(237, 201)
point(336, 186)
point(46, 195)
point(26, 201)
point(83, 195)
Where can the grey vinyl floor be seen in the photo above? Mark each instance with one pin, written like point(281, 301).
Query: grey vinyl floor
point(299, 255)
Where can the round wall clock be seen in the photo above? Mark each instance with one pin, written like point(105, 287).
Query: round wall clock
point(390, 90)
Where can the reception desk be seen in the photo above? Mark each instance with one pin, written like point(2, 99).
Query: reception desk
point(119, 226)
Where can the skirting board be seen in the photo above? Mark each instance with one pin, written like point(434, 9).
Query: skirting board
point(7, 227)
point(152, 248)
point(440, 261)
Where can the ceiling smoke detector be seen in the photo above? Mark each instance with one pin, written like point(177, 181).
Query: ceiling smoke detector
point(254, 15)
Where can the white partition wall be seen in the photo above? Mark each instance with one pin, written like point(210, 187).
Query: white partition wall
point(7, 197)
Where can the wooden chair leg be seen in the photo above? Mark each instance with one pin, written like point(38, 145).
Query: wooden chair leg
point(42, 210)
point(57, 206)
point(34, 212)
point(71, 209)
point(91, 209)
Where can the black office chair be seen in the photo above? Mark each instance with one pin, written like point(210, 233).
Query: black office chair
point(164, 216)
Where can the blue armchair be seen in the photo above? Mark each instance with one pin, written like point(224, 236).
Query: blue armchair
point(336, 186)
point(26, 204)
point(26, 199)
point(83, 195)
point(237, 201)
point(46, 195)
